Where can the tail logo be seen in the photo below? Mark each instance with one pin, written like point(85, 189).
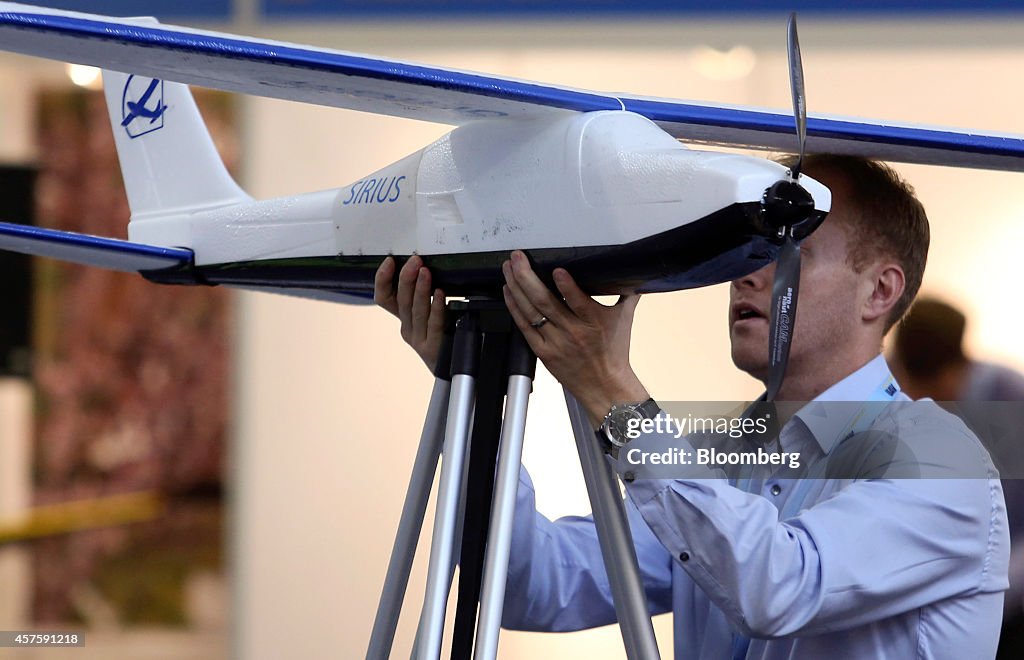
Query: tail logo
point(142, 106)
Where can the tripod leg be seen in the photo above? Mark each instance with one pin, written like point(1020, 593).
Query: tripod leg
point(616, 541)
point(522, 364)
point(456, 542)
point(410, 524)
point(491, 386)
point(460, 410)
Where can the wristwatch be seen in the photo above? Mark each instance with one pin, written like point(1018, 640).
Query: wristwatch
point(618, 428)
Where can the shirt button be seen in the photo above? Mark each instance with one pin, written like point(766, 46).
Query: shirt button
point(684, 556)
point(776, 489)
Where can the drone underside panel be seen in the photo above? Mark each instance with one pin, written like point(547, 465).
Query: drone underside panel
point(720, 247)
point(373, 84)
point(717, 248)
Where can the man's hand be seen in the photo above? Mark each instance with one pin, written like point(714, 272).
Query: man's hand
point(584, 344)
point(422, 317)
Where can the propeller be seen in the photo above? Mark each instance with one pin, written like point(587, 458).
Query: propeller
point(785, 205)
point(796, 86)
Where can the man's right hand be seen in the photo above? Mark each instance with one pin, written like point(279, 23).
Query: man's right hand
point(422, 317)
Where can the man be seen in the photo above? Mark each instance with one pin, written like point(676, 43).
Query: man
point(844, 566)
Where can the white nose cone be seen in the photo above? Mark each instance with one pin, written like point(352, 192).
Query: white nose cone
point(627, 162)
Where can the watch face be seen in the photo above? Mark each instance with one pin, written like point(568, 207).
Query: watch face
point(617, 427)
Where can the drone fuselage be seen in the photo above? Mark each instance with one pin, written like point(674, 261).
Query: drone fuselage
point(608, 195)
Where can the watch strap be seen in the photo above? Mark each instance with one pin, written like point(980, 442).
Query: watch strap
point(649, 409)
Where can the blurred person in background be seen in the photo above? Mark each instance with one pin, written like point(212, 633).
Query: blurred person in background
point(929, 360)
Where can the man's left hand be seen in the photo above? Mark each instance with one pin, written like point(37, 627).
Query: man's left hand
point(584, 344)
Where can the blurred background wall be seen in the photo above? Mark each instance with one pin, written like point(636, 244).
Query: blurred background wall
point(327, 402)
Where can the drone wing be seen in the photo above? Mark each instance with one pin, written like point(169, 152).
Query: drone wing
point(128, 256)
point(90, 250)
point(372, 84)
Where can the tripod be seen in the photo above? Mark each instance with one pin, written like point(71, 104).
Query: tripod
point(485, 359)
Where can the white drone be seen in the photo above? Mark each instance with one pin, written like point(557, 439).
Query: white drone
point(595, 183)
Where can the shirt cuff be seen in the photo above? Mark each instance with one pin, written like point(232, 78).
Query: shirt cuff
point(659, 456)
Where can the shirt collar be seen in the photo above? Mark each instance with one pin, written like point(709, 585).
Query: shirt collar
point(830, 423)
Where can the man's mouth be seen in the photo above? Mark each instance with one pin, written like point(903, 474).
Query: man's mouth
point(746, 312)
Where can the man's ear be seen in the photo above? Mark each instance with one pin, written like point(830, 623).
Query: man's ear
point(885, 282)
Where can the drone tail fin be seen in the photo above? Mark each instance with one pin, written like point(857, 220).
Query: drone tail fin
point(170, 166)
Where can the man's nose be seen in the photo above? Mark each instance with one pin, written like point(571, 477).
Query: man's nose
point(757, 280)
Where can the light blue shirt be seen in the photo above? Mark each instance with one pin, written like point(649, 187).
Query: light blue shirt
point(809, 568)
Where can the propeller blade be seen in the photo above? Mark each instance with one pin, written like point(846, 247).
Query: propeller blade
point(785, 205)
point(785, 289)
point(796, 83)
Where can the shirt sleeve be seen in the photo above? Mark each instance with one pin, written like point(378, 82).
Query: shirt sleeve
point(556, 578)
point(874, 549)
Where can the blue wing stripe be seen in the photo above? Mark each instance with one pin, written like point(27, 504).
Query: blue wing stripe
point(915, 136)
point(91, 250)
point(447, 95)
point(332, 62)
